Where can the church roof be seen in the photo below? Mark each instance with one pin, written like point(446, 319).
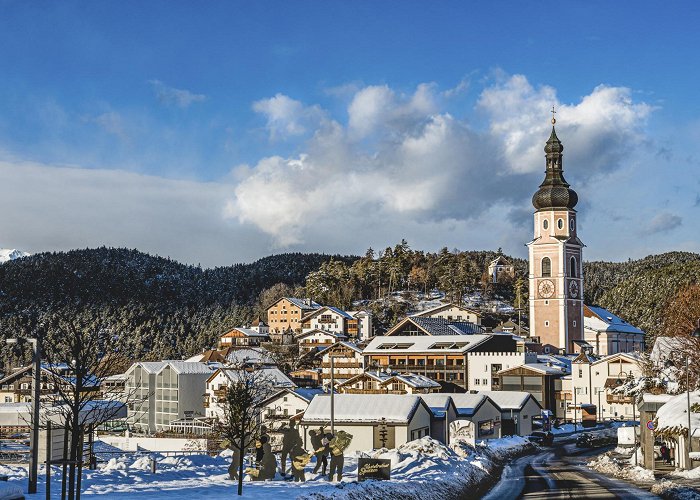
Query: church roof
point(554, 192)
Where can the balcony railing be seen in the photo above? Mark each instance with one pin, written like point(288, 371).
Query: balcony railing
point(619, 399)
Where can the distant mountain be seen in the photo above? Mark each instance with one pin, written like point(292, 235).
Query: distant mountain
point(11, 254)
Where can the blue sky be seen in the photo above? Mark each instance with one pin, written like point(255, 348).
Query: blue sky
point(220, 132)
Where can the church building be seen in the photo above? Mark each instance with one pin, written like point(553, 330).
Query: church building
point(555, 273)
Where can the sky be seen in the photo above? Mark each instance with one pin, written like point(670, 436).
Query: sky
point(224, 131)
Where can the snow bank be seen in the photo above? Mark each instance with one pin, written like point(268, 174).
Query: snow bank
point(671, 490)
point(620, 469)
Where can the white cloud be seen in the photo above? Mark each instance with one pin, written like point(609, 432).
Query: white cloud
point(422, 166)
point(70, 208)
point(178, 97)
point(286, 116)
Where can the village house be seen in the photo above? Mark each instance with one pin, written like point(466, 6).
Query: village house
point(610, 334)
point(542, 380)
point(286, 315)
point(17, 386)
point(243, 337)
point(306, 377)
point(481, 411)
point(347, 360)
point(518, 409)
point(375, 421)
point(499, 268)
point(315, 339)
point(250, 356)
point(387, 382)
point(484, 367)
point(443, 412)
point(286, 404)
point(443, 358)
point(451, 312)
point(360, 327)
point(215, 385)
point(594, 380)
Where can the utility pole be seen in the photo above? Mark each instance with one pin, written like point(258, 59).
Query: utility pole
point(36, 395)
point(332, 393)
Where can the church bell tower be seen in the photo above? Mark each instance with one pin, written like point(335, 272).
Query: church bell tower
point(556, 268)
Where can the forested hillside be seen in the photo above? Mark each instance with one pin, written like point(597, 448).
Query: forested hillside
point(157, 308)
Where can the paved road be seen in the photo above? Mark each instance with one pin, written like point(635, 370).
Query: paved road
point(560, 473)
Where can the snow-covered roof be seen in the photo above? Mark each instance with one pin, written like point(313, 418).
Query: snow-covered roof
point(335, 335)
point(152, 366)
point(307, 393)
point(442, 307)
point(663, 346)
point(250, 356)
point(415, 380)
point(467, 403)
point(302, 303)
point(601, 320)
point(448, 344)
point(632, 357)
point(672, 417)
point(437, 402)
point(509, 400)
point(371, 408)
point(248, 332)
point(189, 367)
point(545, 368)
point(656, 398)
point(270, 374)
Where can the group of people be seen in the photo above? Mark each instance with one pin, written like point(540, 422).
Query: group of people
point(325, 444)
point(665, 453)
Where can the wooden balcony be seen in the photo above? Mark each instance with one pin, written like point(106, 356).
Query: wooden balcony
point(619, 399)
point(368, 391)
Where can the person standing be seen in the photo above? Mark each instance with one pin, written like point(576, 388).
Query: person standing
point(338, 444)
point(299, 460)
point(290, 439)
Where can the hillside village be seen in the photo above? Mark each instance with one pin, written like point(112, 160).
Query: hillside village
point(481, 358)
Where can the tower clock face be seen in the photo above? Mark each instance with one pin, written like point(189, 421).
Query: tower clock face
point(546, 288)
point(573, 289)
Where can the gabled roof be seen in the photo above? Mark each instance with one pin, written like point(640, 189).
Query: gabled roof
point(370, 408)
point(247, 332)
point(377, 375)
point(273, 375)
point(189, 367)
point(437, 326)
point(414, 380)
point(438, 403)
point(500, 261)
point(443, 307)
point(336, 335)
point(632, 357)
point(542, 368)
point(349, 345)
point(448, 344)
point(507, 400)
point(468, 404)
point(601, 320)
point(323, 309)
point(303, 304)
point(152, 366)
point(252, 355)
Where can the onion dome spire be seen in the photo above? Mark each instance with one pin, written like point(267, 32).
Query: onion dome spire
point(554, 191)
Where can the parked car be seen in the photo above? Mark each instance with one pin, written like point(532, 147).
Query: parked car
point(544, 438)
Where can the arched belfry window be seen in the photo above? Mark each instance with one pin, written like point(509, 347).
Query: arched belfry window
point(573, 273)
point(546, 267)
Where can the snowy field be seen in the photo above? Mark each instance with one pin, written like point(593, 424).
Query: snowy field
point(420, 469)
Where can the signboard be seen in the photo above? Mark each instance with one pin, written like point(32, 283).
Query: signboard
point(373, 468)
point(463, 430)
point(651, 425)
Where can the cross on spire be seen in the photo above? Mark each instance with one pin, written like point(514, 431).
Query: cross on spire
point(554, 120)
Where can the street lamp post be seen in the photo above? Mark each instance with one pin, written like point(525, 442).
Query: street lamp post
point(36, 394)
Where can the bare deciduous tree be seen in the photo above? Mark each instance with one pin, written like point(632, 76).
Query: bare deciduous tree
point(241, 411)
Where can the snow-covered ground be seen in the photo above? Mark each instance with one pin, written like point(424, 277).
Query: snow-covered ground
point(422, 469)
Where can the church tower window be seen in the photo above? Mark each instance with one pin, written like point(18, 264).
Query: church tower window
point(560, 223)
point(546, 267)
point(573, 267)
point(545, 224)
